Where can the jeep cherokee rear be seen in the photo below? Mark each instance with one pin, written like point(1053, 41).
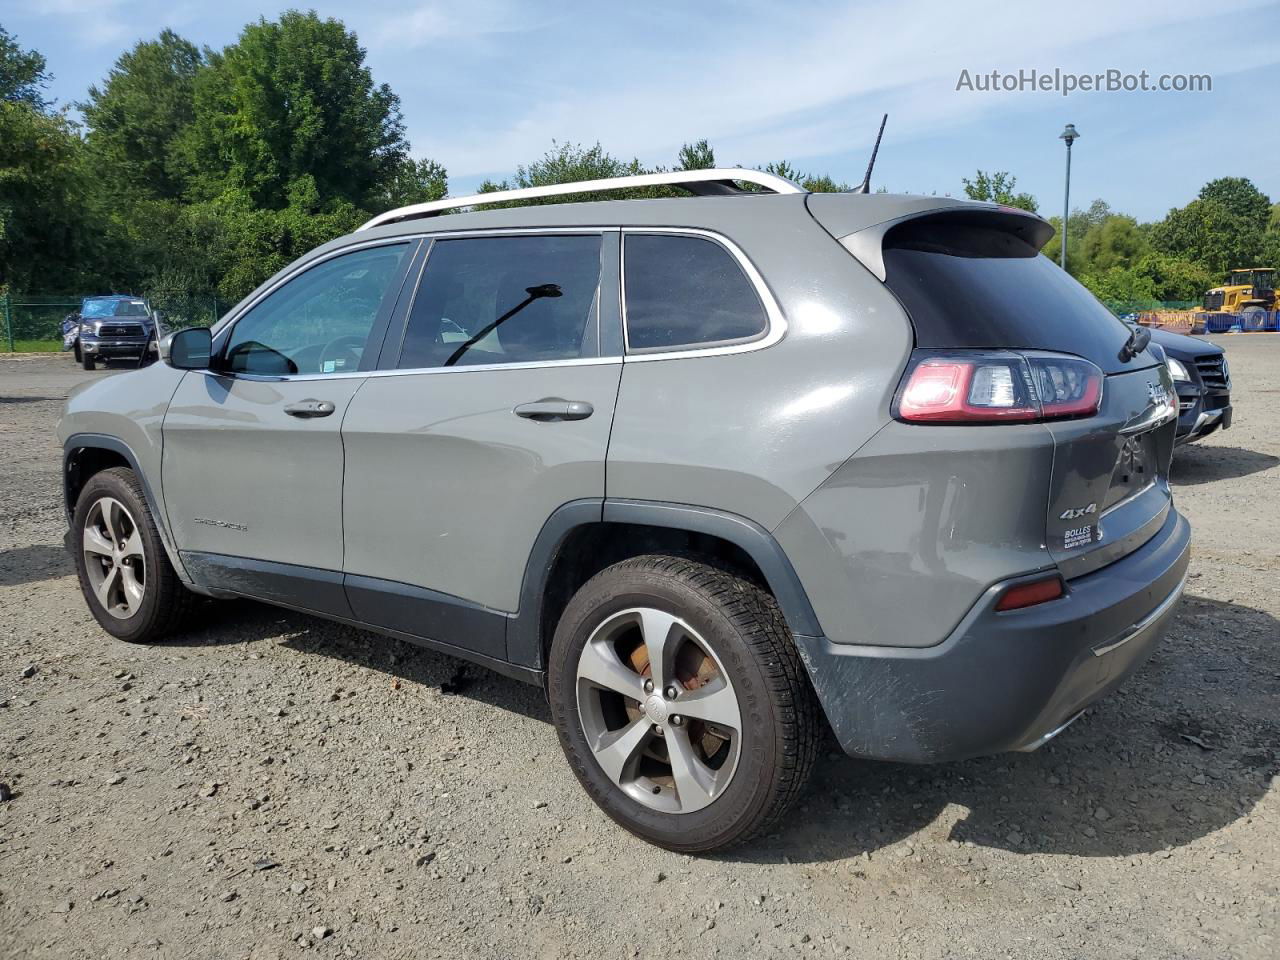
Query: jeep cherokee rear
point(711, 469)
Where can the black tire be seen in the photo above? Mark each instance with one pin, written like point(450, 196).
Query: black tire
point(86, 360)
point(780, 717)
point(165, 601)
point(76, 348)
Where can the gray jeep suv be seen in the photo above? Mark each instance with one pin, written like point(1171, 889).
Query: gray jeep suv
point(721, 472)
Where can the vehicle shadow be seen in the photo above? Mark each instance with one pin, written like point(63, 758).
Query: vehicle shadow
point(1187, 747)
point(32, 564)
point(1197, 463)
point(245, 621)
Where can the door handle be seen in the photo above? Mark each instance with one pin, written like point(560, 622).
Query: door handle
point(550, 409)
point(308, 409)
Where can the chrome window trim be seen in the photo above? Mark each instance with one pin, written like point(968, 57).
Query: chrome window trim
point(414, 371)
point(774, 331)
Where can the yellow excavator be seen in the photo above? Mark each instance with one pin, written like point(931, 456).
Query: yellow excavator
point(1250, 292)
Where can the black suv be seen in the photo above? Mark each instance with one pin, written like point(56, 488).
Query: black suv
point(110, 327)
point(1203, 383)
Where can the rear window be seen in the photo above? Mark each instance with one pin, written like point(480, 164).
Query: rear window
point(971, 286)
point(686, 291)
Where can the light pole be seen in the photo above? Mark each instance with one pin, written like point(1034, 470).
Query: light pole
point(1070, 136)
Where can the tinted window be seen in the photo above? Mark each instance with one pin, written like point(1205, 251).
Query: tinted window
point(969, 286)
point(684, 291)
point(504, 300)
point(318, 322)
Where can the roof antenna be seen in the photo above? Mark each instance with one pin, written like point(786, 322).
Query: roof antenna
point(865, 186)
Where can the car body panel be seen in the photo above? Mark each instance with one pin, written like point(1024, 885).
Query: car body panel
point(447, 488)
point(243, 478)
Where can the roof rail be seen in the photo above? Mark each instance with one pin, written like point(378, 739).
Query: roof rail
point(700, 182)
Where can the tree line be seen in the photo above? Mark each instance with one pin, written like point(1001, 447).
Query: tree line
point(196, 171)
point(1231, 224)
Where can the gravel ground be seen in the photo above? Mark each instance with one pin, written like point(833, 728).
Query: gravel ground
point(272, 783)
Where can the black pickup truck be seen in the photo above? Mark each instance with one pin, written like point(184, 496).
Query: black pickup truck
point(109, 327)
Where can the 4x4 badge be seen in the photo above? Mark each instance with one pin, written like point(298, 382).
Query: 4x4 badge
point(1074, 513)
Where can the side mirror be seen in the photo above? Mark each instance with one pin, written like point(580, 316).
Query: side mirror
point(188, 349)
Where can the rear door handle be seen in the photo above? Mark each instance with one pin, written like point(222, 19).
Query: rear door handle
point(308, 409)
point(553, 408)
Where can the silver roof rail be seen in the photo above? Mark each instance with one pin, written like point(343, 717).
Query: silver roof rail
point(702, 182)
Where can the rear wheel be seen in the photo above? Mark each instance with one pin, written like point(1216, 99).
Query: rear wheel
point(681, 703)
point(125, 574)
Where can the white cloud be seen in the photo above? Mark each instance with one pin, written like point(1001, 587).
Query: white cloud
point(779, 81)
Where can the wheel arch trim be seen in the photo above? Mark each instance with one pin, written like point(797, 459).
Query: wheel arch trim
point(524, 642)
point(101, 441)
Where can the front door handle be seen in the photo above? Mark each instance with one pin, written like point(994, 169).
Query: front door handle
point(308, 409)
point(550, 409)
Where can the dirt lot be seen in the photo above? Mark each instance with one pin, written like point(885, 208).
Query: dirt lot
point(272, 783)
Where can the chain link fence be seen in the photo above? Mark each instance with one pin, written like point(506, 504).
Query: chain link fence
point(33, 322)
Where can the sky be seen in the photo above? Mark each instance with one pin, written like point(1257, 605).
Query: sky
point(489, 84)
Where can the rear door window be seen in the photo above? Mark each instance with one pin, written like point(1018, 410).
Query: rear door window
point(686, 291)
point(496, 300)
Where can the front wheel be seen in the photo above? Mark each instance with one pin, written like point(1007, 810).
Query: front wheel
point(125, 574)
point(681, 703)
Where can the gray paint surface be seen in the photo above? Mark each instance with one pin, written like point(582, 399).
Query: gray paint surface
point(446, 488)
point(267, 485)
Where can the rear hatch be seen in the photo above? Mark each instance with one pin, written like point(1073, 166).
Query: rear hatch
point(974, 280)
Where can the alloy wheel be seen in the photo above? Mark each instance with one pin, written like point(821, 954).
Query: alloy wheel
point(114, 558)
point(658, 710)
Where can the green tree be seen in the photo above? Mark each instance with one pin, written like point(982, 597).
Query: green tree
point(696, 156)
point(572, 163)
point(140, 114)
point(1241, 198)
point(1122, 286)
point(293, 98)
point(415, 181)
point(998, 187)
point(44, 240)
point(1207, 232)
point(23, 76)
point(1175, 279)
point(814, 183)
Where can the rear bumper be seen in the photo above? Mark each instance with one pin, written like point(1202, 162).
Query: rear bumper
point(1003, 681)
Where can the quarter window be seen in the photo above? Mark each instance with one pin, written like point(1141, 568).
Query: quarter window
point(486, 300)
point(319, 322)
point(686, 291)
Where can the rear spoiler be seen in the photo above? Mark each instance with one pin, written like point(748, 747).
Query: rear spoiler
point(863, 232)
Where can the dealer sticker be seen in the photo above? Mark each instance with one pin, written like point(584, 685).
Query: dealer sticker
point(1078, 537)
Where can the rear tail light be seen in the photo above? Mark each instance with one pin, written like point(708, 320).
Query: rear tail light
point(1029, 594)
point(963, 387)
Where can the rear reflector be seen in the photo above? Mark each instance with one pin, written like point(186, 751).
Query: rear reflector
point(963, 387)
point(1029, 594)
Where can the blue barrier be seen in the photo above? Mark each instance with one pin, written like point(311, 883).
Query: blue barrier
point(1268, 320)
